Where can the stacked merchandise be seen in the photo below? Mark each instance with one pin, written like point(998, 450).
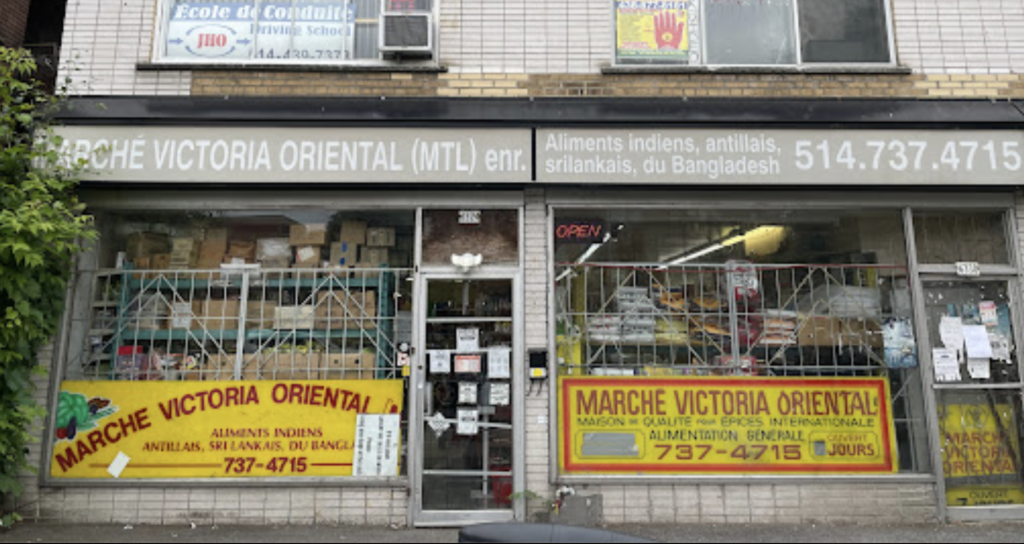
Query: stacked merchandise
point(843, 301)
point(635, 322)
point(779, 328)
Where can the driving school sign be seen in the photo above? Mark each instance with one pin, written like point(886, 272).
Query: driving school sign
point(726, 426)
point(243, 30)
point(169, 430)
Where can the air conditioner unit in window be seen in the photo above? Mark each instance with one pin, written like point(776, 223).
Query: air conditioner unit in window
point(406, 34)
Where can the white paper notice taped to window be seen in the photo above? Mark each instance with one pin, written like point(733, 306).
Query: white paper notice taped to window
point(499, 394)
point(980, 369)
point(951, 330)
point(376, 448)
point(120, 463)
point(947, 365)
point(978, 345)
point(468, 392)
point(467, 340)
point(468, 422)
point(440, 362)
point(499, 364)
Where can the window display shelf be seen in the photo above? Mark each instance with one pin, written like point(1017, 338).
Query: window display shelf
point(232, 334)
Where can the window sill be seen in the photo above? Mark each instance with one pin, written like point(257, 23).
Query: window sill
point(832, 69)
point(351, 68)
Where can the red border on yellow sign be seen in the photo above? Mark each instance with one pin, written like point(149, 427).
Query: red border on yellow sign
point(877, 385)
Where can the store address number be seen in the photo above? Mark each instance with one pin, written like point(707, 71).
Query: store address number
point(909, 155)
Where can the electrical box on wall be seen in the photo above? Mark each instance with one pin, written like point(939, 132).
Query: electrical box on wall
point(538, 364)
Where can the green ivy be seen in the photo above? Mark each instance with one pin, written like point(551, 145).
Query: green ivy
point(42, 227)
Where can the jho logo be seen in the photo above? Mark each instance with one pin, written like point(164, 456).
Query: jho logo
point(212, 41)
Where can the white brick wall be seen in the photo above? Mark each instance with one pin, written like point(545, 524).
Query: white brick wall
point(103, 41)
point(960, 36)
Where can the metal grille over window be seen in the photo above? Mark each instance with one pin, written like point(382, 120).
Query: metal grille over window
point(258, 324)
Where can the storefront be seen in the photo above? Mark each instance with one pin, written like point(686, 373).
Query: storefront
point(319, 303)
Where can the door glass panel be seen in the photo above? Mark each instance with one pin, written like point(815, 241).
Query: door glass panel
point(946, 238)
point(467, 427)
point(493, 235)
point(958, 309)
point(981, 444)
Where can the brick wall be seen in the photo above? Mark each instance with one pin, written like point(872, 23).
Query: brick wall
point(538, 420)
point(228, 83)
point(13, 18)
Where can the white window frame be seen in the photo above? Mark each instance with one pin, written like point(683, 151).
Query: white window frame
point(163, 17)
point(800, 64)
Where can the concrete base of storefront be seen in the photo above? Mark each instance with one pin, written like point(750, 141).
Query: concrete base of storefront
point(782, 533)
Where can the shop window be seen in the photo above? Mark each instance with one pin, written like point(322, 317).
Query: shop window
point(946, 238)
point(285, 295)
point(750, 32)
point(488, 236)
point(821, 295)
point(282, 31)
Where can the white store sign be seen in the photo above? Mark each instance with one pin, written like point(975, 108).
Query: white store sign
point(271, 30)
point(307, 155)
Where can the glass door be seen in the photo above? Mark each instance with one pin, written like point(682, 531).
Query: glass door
point(467, 360)
point(978, 390)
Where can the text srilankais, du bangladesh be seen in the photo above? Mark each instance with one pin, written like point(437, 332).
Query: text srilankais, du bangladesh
point(724, 402)
point(214, 399)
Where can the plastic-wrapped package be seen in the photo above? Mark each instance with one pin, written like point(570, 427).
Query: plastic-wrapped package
point(273, 249)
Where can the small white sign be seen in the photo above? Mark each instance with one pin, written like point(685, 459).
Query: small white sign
point(468, 340)
point(468, 422)
point(951, 330)
point(440, 362)
point(468, 393)
point(947, 365)
point(980, 369)
point(469, 217)
point(978, 344)
point(120, 463)
point(438, 424)
point(499, 363)
point(376, 448)
point(968, 269)
point(500, 394)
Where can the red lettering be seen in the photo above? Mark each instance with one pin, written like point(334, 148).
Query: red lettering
point(280, 393)
point(620, 402)
point(185, 409)
point(141, 417)
point(68, 460)
point(232, 397)
point(96, 440)
point(295, 393)
point(106, 431)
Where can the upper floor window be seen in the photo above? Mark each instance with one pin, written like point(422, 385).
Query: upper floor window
point(290, 31)
point(752, 32)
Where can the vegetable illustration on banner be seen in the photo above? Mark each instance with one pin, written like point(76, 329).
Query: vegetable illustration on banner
point(653, 30)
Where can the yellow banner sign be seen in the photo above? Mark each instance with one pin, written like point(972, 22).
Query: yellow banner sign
point(726, 425)
point(214, 429)
point(980, 454)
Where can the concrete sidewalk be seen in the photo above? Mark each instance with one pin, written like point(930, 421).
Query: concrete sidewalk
point(32, 533)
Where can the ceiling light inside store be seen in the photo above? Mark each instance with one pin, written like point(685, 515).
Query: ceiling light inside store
point(763, 231)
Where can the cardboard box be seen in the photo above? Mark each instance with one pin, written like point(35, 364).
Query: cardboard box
point(242, 249)
point(294, 317)
point(308, 235)
point(147, 244)
point(344, 254)
point(308, 256)
point(380, 237)
point(277, 264)
point(350, 366)
point(346, 310)
point(353, 232)
point(220, 367)
point(835, 331)
point(373, 257)
point(218, 315)
point(160, 261)
point(399, 259)
point(215, 240)
point(260, 314)
point(210, 262)
point(300, 366)
point(182, 315)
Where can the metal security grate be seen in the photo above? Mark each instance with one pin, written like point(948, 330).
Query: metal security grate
point(741, 319)
point(292, 324)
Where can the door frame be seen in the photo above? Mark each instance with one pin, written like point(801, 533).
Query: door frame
point(418, 517)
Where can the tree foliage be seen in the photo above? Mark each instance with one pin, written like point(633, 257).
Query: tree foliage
point(42, 227)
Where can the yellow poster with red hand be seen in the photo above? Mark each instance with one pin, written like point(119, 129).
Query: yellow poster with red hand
point(168, 430)
point(653, 30)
